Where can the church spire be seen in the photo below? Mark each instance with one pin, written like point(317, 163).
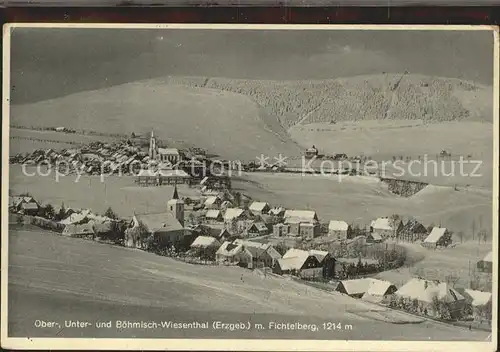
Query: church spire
point(176, 195)
point(152, 146)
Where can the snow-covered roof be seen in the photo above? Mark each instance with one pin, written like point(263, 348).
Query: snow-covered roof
point(435, 235)
point(174, 173)
point(205, 179)
point(376, 236)
point(75, 218)
point(300, 215)
point(28, 206)
point(425, 290)
point(159, 222)
point(488, 257)
point(293, 259)
point(233, 213)
point(260, 226)
point(293, 263)
point(147, 173)
point(378, 287)
point(336, 225)
point(211, 200)
point(479, 298)
point(382, 224)
point(277, 210)
point(320, 255)
point(78, 229)
point(212, 214)
point(357, 286)
point(205, 241)
point(258, 206)
point(168, 151)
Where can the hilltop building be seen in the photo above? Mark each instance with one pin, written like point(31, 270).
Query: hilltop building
point(311, 152)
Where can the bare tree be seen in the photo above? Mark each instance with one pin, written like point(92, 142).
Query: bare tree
point(452, 279)
point(461, 235)
point(482, 235)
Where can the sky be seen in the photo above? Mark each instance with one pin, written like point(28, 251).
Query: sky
point(49, 63)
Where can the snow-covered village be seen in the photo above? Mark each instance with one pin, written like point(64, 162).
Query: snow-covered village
point(276, 201)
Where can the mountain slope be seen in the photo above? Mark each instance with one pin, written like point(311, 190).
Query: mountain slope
point(225, 123)
point(372, 97)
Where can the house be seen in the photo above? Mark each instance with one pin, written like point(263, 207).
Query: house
point(205, 247)
point(80, 230)
point(29, 209)
point(486, 264)
point(102, 228)
point(386, 227)
point(340, 230)
point(16, 203)
point(355, 288)
point(301, 216)
point(439, 236)
point(326, 261)
point(374, 237)
point(257, 229)
point(76, 218)
point(309, 231)
point(479, 302)
point(224, 235)
point(425, 292)
point(300, 263)
point(303, 223)
point(214, 215)
point(232, 214)
point(233, 253)
point(263, 254)
point(280, 230)
point(413, 231)
point(378, 291)
point(162, 227)
point(213, 202)
point(278, 212)
point(259, 208)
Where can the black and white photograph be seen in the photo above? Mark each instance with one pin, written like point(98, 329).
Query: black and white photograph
point(250, 187)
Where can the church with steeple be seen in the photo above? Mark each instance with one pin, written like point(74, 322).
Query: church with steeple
point(176, 207)
point(166, 227)
point(165, 155)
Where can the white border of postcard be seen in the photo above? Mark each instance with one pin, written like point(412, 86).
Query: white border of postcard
point(227, 344)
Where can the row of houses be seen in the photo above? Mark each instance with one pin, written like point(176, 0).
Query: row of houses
point(420, 296)
point(249, 254)
point(75, 222)
point(305, 224)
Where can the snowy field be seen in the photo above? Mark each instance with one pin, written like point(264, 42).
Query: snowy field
point(57, 279)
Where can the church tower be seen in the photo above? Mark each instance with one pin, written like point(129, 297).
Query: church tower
point(153, 148)
point(176, 207)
